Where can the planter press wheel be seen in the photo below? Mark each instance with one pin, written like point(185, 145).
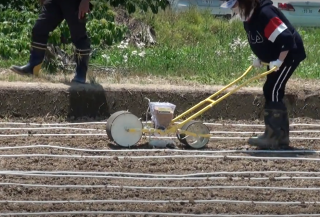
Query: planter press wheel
point(194, 142)
point(117, 126)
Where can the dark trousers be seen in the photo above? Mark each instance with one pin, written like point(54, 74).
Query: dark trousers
point(274, 87)
point(53, 12)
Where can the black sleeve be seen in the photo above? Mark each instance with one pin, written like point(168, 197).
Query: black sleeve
point(275, 30)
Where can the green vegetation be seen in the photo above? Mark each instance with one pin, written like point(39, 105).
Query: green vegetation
point(191, 45)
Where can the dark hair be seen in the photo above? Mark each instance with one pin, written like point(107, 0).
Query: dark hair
point(245, 6)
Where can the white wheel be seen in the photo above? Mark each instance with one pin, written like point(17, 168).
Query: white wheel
point(117, 126)
point(194, 142)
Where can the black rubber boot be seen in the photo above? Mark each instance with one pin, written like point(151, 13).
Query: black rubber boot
point(276, 133)
point(33, 67)
point(82, 59)
point(254, 140)
point(285, 137)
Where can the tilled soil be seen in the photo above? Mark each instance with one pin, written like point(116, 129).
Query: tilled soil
point(95, 175)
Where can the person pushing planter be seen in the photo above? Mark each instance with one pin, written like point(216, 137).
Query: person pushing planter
point(275, 41)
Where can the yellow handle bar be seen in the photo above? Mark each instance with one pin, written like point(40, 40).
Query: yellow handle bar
point(267, 64)
point(214, 102)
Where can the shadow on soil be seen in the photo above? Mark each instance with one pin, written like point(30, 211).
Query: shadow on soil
point(289, 152)
point(146, 145)
point(87, 101)
point(140, 146)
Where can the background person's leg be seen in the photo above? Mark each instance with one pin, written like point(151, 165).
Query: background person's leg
point(79, 38)
point(49, 18)
point(275, 111)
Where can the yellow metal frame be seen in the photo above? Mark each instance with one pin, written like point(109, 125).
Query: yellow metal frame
point(173, 128)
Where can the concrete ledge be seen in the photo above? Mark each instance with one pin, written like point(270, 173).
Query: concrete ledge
point(21, 99)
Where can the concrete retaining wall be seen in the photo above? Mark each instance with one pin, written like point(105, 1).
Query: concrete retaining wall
point(20, 99)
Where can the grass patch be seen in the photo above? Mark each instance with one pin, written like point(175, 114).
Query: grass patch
point(191, 46)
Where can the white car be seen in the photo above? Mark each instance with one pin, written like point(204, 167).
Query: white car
point(300, 13)
point(212, 5)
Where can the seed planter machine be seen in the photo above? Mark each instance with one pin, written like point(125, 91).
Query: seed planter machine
point(126, 130)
